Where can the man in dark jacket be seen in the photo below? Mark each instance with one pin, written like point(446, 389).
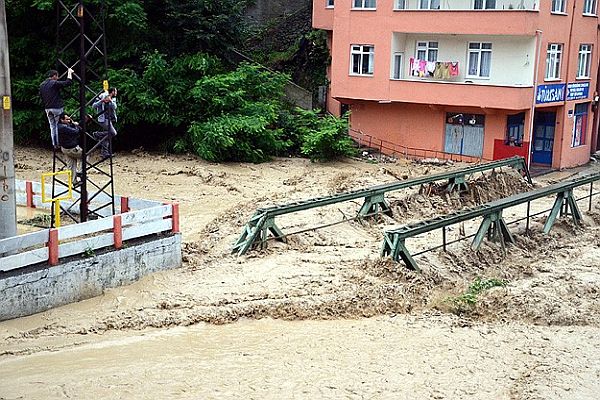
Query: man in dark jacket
point(106, 108)
point(68, 139)
point(53, 102)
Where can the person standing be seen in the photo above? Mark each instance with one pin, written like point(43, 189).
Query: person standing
point(50, 92)
point(69, 134)
point(106, 108)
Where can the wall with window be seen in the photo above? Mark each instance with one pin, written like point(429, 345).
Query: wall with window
point(576, 132)
point(511, 61)
point(421, 126)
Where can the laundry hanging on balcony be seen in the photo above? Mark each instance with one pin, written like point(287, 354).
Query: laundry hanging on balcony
point(441, 70)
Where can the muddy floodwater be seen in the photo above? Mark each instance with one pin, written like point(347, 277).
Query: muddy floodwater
point(322, 315)
point(384, 357)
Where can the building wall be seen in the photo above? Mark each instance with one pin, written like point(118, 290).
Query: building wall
point(423, 127)
point(410, 111)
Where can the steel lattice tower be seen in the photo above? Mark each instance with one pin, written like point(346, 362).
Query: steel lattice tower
point(81, 46)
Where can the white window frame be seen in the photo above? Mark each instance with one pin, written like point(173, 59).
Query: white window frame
point(397, 66)
point(480, 50)
point(427, 48)
point(362, 50)
point(400, 4)
point(363, 4)
point(485, 5)
point(584, 61)
point(558, 6)
point(580, 141)
point(430, 4)
point(329, 3)
point(589, 7)
point(553, 61)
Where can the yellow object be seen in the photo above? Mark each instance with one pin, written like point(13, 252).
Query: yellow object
point(56, 200)
point(105, 86)
point(6, 102)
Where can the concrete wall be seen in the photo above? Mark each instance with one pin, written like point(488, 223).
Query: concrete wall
point(262, 11)
point(298, 96)
point(35, 289)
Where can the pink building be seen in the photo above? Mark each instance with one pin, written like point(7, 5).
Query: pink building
point(471, 77)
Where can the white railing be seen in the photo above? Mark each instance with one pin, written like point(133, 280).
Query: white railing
point(137, 218)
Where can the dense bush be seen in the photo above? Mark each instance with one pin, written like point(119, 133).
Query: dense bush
point(324, 137)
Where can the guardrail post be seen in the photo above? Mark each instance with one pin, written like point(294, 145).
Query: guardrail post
point(124, 204)
point(375, 204)
point(249, 233)
point(458, 182)
point(53, 247)
point(118, 231)
point(393, 245)
point(29, 191)
point(567, 201)
point(496, 229)
point(175, 218)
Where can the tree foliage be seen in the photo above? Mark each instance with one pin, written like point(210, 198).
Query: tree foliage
point(175, 86)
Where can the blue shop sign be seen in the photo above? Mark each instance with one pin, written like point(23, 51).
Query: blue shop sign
point(578, 90)
point(550, 93)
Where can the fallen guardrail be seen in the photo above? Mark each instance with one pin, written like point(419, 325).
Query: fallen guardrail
point(493, 224)
point(262, 223)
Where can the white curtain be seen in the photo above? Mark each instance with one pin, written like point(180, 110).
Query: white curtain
point(486, 62)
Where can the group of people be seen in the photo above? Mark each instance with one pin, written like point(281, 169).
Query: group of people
point(66, 133)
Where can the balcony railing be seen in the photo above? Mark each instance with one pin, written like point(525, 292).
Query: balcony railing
point(466, 5)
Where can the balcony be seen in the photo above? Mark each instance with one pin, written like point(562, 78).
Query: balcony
point(466, 22)
point(461, 94)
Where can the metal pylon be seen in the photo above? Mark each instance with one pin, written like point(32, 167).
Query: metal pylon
point(81, 45)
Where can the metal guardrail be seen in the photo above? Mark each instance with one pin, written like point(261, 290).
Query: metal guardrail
point(138, 218)
point(263, 221)
point(411, 153)
point(493, 224)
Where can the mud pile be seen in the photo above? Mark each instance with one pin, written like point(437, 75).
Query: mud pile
point(434, 199)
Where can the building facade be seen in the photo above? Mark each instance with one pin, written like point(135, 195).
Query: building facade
point(482, 78)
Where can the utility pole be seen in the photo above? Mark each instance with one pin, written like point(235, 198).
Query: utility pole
point(8, 205)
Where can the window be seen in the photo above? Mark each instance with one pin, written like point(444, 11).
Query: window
point(484, 5)
point(364, 4)
point(589, 7)
point(427, 51)
point(330, 3)
point(515, 127)
point(429, 4)
point(397, 66)
point(584, 60)
point(480, 59)
point(553, 61)
point(400, 4)
point(558, 6)
point(362, 59)
point(580, 124)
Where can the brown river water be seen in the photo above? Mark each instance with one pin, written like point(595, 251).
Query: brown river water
point(400, 357)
